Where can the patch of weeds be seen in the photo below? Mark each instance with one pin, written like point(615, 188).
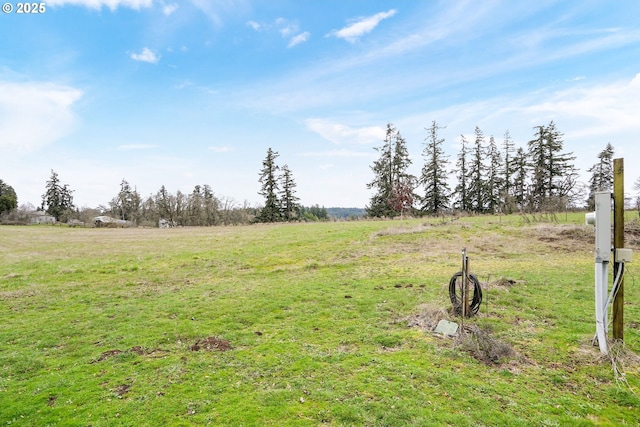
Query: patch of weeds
point(427, 317)
point(622, 358)
point(482, 346)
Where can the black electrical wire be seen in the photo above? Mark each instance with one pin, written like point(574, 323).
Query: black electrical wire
point(474, 305)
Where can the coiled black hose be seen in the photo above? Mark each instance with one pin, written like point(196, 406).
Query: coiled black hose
point(455, 293)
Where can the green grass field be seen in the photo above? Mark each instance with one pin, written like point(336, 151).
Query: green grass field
point(307, 324)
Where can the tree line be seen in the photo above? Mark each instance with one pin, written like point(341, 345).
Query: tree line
point(200, 207)
point(489, 177)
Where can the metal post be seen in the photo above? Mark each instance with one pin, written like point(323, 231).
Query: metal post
point(618, 242)
point(465, 284)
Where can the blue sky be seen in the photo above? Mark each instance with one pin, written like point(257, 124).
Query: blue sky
point(179, 93)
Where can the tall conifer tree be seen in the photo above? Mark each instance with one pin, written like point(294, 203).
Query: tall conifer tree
point(434, 173)
point(58, 198)
point(601, 174)
point(392, 183)
point(271, 211)
point(462, 174)
point(477, 188)
point(494, 178)
point(288, 199)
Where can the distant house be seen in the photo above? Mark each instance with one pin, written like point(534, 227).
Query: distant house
point(165, 223)
point(107, 221)
point(40, 217)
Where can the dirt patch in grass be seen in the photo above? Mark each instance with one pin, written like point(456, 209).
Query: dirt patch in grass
point(211, 344)
point(565, 233)
point(502, 283)
point(140, 351)
point(394, 231)
point(52, 400)
point(107, 354)
point(122, 389)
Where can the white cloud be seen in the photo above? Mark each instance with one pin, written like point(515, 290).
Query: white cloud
point(147, 55)
point(300, 38)
point(254, 25)
point(597, 110)
point(362, 26)
point(35, 114)
point(288, 29)
point(170, 9)
point(341, 134)
point(98, 4)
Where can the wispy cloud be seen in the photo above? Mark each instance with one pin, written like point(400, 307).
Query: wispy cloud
point(288, 30)
point(35, 114)
point(254, 25)
point(217, 10)
point(147, 55)
point(342, 134)
point(98, 4)
point(169, 8)
point(300, 38)
point(361, 26)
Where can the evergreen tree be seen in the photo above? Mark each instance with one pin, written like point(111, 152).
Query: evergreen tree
point(519, 188)
point(195, 207)
point(382, 181)
point(126, 205)
point(181, 208)
point(553, 174)
point(477, 171)
point(393, 185)
point(601, 175)
point(462, 174)
point(288, 198)
point(166, 205)
point(271, 211)
point(434, 173)
point(149, 210)
point(314, 213)
point(403, 183)
point(8, 198)
point(494, 178)
point(57, 200)
point(507, 173)
point(211, 206)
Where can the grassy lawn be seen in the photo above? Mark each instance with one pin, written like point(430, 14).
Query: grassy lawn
point(306, 324)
